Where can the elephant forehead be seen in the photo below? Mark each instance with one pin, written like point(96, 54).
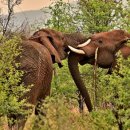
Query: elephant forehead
point(116, 34)
point(110, 37)
point(102, 35)
point(53, 33)
point(100, 39)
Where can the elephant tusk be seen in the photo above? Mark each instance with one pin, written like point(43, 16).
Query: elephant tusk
point(76, 50)
point(84, 44)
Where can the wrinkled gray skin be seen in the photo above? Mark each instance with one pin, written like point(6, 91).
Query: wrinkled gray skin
point(40, 51)
point(108, 44)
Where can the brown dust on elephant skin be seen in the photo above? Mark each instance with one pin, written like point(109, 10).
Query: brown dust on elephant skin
point(36, 63)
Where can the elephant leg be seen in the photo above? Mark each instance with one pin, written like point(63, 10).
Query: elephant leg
point(39, 114)
point(109, 71)
point(38, 110)
point(16, 122)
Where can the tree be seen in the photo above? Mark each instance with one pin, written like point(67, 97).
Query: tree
point(5, 20)
point(100, 15)
point(62, 16)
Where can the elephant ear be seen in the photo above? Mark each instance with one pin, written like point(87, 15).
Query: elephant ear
point(48, 42)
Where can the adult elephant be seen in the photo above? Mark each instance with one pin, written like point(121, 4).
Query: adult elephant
point(104, 45)
point(35, 60)
point(40, 51)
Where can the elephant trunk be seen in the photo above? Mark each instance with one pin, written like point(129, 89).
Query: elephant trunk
point(73, 60)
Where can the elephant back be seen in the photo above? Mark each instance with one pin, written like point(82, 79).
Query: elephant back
point(36, 63)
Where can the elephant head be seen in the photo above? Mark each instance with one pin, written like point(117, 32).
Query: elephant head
point(53, 41)
point(107, 44)
point(57, 42)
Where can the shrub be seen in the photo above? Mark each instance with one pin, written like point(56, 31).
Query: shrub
point(11, 88)
point(115, 91)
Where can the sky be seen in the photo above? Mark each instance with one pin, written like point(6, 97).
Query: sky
point(31, 5)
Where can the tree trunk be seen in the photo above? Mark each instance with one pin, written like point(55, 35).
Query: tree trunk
point(73, 60)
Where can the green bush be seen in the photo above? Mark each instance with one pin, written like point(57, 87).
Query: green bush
point(11, 88)
point(61, 113)
point(116, 91)
point(112, 101)
point(62, 81)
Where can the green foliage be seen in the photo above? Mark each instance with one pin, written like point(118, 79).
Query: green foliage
point(89, 15)
point(111, 95)
point(61, 113)
point(59, 106)
point(62, 81)
point(11, 88)
point(62, 16)
point(100, 15)
point(117, 93)
point(105, 106)
point(125, 22)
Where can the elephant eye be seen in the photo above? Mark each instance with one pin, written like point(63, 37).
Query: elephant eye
point(62, 38)
point(100, 41)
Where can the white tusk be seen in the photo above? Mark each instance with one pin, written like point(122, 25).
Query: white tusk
point(76, 50)
point(84, 44)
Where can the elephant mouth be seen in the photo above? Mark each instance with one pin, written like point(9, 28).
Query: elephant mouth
point(89, 60)
point(122, 43)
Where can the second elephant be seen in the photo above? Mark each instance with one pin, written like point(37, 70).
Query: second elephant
point(105, 45)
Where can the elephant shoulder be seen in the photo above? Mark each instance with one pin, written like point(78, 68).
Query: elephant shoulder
point(33, 54)
point(35, 49)
point(35, 61)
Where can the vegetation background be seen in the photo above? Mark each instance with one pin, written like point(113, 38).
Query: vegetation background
point(110, 96)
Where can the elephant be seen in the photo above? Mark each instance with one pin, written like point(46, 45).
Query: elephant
point(100, 48)
point(35, 60)
point(39, 52)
